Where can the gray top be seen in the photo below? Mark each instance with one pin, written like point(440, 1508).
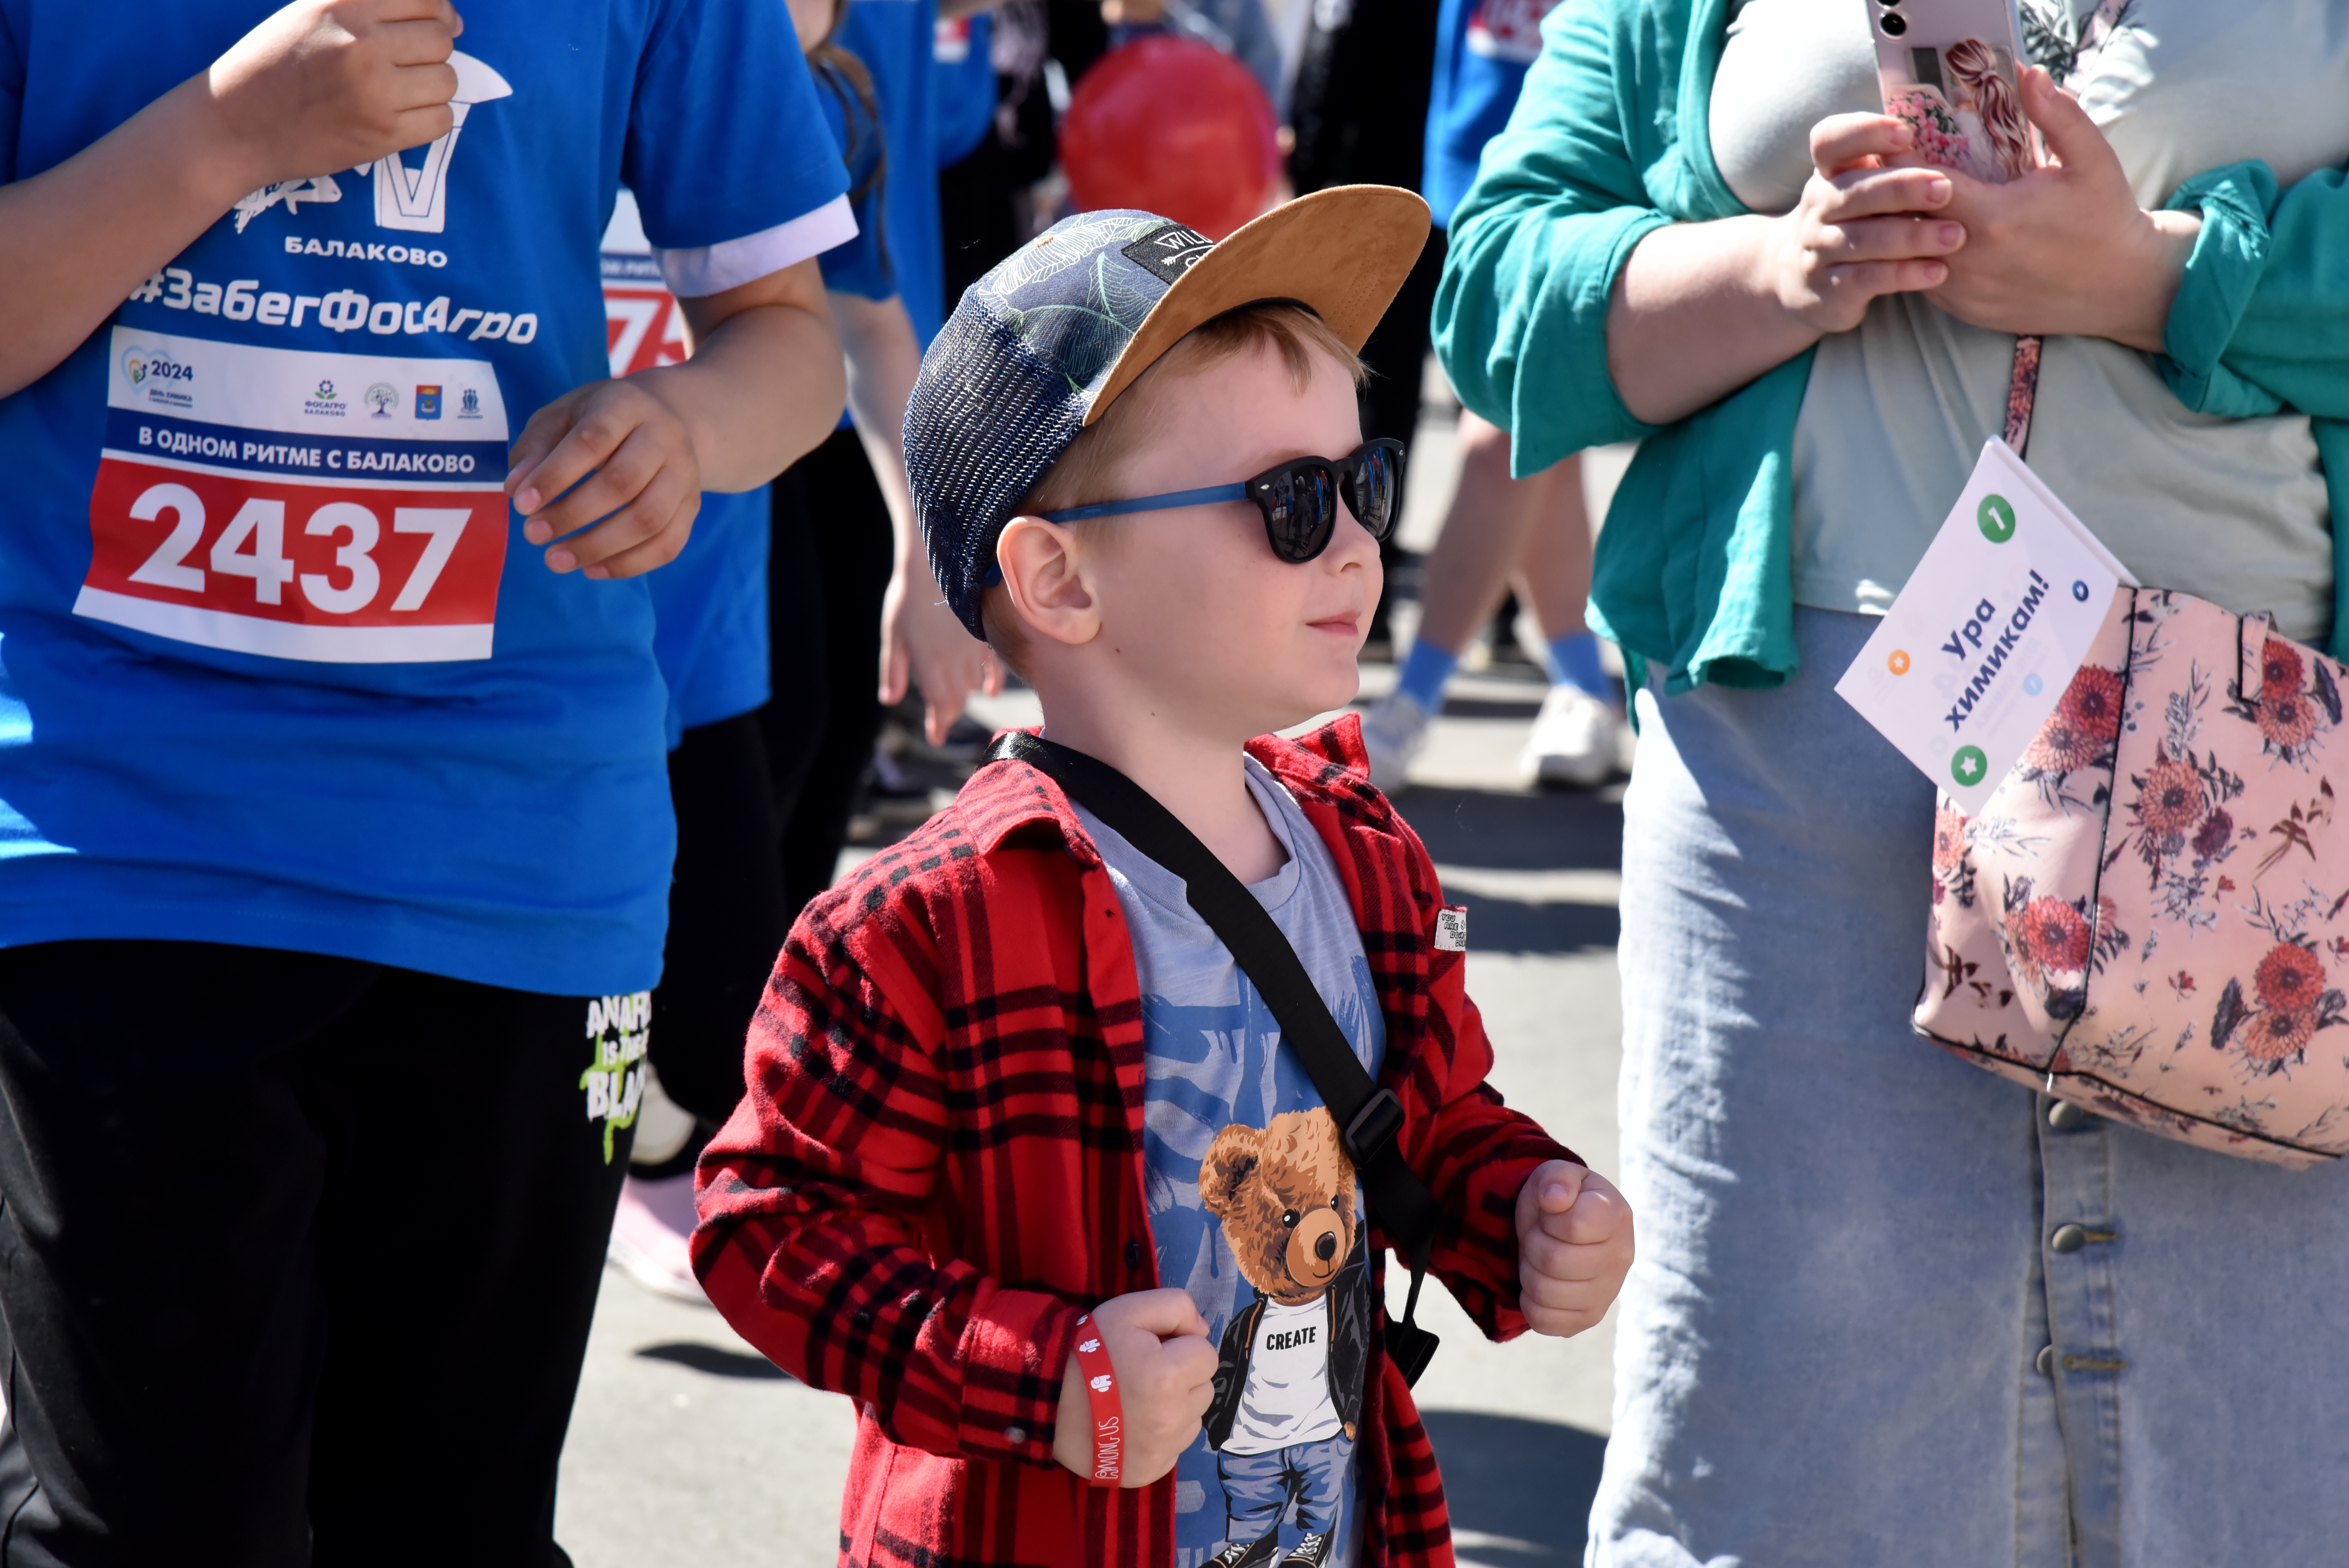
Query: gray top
point(1214, 1064)
point(2234, 510)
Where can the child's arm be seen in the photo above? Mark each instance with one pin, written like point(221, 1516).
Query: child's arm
point(921, 640)
point(1529, 1238)
point(814, 1198)
point(763, 386)
point(322, 85)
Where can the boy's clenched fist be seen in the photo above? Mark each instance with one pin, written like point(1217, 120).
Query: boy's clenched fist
point(1574, 1247)
point(1165, 1371)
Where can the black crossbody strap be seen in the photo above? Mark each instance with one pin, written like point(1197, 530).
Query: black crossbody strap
point(1369, 1117)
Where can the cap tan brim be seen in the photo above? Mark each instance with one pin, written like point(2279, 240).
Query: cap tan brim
point(1344, 252)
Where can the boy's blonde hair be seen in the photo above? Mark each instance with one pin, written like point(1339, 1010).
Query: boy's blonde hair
point(1081, 476)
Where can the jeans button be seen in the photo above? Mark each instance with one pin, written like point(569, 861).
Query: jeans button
point(1134, 1255)
point(2068, 1239)
point(2046, 1362)
point(2063, 1116)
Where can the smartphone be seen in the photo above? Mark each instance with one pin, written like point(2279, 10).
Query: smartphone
point(1950, 68)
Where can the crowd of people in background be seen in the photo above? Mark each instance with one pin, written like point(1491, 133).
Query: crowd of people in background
point(463, 543)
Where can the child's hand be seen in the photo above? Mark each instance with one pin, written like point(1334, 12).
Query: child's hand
point(635, 466)
point(1165, 1372)
point(921, 640)
point(1574, 1247)
point(325, 84)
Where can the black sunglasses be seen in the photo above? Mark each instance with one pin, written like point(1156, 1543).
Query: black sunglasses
point(1298, 498)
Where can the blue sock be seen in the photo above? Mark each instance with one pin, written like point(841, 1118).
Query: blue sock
point(1573, 660)
point(1425, 669)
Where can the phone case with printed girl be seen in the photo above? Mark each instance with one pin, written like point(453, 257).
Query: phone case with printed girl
point(1949, 68)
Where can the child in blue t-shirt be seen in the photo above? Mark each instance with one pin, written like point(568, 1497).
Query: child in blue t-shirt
point(730, 903)
point(335, 839)
point(1531, 532)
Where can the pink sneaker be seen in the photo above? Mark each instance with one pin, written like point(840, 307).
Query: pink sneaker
point(648, 1236)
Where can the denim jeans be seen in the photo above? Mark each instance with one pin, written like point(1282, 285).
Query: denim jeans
point(1830, 1345)
point(1258, 1488)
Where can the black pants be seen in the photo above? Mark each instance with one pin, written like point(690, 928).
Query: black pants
point(828, 571)
point(727, 917)
point(763, 800)
point(298, 1254)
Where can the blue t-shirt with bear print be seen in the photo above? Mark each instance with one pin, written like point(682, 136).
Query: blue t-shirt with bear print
point(1253, 1205)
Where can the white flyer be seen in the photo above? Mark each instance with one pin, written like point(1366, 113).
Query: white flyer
point(1978, 648)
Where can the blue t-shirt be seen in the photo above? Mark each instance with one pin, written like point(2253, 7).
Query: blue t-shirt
point(1482, 50)
point(861, 266)
point(280, 669)
point(1253, 1204)
point(896, 40)
point(966, 84)
point(709, 604)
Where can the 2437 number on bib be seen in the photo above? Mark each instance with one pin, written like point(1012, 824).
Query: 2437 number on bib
point(329, 507)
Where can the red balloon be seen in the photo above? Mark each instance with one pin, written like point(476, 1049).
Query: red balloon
point(1172, 126)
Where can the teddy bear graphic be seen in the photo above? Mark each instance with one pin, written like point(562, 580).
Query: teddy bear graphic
point(1289, 1377)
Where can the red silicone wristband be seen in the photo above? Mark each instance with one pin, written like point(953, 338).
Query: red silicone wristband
point(1108, 1444)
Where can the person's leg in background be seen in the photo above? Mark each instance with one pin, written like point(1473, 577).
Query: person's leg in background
point(159, 1179)
point(299, 1254)
point(852, 548)
point(797, 633)
point(1578, 737)
point(727, 921)
point(480, 1137)
point(1537, 532)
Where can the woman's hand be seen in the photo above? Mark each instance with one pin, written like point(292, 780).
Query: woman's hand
point(921, 641)
point(2065, 249)
point(1861, 228)
point(1701, 309)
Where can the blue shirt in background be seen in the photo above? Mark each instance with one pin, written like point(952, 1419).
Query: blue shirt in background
point(709, 604)
point(965, 78)
point(280, 669)
point(1482, 50)
point(897, 39)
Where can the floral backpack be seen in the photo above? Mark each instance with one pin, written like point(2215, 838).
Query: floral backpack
point(2148, 915)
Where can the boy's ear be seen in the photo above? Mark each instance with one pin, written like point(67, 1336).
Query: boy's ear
point(1043, 574)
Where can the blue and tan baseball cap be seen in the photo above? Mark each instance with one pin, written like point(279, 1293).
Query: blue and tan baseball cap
point(1041, 345)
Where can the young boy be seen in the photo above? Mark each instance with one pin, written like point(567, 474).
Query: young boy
point(1018, 1128)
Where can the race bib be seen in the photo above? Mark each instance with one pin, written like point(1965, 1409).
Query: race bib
point(642, 325)
point(1508, 29)
point(340, 508)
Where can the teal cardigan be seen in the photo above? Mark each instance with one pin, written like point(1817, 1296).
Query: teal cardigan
point(1694, 569)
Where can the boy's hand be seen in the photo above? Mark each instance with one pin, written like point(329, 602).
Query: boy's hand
point(1165, 1371)
point(634, 465)
point(1574, 1247)
point(336, 84)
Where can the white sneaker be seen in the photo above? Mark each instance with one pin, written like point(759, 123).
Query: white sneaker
point(1576, 739)
point(1393, 733)
point(648, 1236)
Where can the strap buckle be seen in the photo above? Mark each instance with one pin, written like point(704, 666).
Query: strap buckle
point(1373, 1128)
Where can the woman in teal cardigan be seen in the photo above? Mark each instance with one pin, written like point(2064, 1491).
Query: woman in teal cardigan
point(1888, 1307)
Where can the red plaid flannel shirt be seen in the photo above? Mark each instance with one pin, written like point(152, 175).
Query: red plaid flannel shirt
point(938, 1167)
